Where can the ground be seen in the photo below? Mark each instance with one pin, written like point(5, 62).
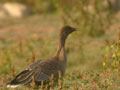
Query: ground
point(38, 34)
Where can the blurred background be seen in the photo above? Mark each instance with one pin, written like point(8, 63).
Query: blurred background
point(30, 28)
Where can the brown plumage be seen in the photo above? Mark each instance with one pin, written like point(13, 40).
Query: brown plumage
point(43, 69)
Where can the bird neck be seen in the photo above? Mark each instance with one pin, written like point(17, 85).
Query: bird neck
point(61, 53)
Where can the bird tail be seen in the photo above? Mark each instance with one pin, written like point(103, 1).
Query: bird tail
point(23, 78)
point(10, 85)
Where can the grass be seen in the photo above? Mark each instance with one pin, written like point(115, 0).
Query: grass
point(38, 34)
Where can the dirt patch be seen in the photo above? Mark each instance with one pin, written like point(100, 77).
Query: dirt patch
point(25, 31)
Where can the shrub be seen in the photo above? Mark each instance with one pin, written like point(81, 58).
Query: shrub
point(37, 5)
point(90, 17)
point(112, 58)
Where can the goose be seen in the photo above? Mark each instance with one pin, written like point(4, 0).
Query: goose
point(42, 70)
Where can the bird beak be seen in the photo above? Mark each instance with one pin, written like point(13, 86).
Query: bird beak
point(74, 29)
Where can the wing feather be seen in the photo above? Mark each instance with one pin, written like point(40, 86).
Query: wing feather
point(23, 77)
point(41, 77)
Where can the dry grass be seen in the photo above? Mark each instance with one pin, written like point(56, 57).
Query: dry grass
point(20, 38)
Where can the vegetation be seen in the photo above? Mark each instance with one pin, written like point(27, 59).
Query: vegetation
point(38, 6)
point(112, 57)
point(93, 51)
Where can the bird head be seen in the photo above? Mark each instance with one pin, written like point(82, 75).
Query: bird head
point(66, 30)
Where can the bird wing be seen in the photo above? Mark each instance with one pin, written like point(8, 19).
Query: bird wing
point(40, 76)
point(25, 77)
